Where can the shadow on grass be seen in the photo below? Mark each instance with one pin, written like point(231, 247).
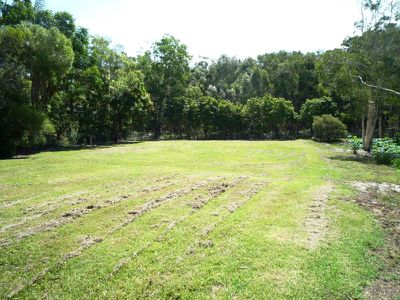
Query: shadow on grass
point(354, 158)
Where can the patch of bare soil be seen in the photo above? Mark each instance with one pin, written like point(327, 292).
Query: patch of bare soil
point(387, 286)
point(86, 242)
point(52, 205)
point(382, 188)
point(245, 196)
point(64, 219)
point(214, 191)
point(206, 243)
point(84, 196)
point(47, 209)
point(316, 224)
point(10, 204)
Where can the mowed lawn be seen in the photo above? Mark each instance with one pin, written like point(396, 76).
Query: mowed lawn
point(190, 220)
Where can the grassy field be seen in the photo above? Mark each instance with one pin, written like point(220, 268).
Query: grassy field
point(191, 220)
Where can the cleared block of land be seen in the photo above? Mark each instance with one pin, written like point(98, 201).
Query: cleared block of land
point(186, 219)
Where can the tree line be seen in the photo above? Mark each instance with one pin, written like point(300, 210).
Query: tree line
point(61, 86)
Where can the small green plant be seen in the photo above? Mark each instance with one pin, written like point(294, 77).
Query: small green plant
point(355, 143)
point(396, 163)
point(328, 128)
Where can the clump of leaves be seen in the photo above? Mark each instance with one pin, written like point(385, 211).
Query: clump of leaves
point(354, 143)
point(386, 151)
point(328, 128)
point(396, 139)
point(396, 163)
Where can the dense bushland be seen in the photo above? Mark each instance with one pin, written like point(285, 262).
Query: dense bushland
point(61, 86)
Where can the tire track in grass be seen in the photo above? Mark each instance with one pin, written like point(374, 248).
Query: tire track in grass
point(227, 209)
point(224, 212)
point(44, 207)
point(76, 213)
point(41, 195)
point(49, 207)
point(121, 186)
point(149, 206)
point(200, 201)
point(10, 204)
point(161, 200)
point(316, 224)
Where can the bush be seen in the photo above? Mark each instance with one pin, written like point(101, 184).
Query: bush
point(396, 139)
point(396, 163)
point(18, 124)
point(327, 128)
point(316, 107)
point(355, 143)
point(385, 151)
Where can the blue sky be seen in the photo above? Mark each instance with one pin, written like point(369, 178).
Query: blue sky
point(210, 28)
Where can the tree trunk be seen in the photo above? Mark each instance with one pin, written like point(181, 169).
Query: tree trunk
point(157, 125)
point(380, 126)
point(116, 132)
point(157, 130)
point(363, 129)
point(372, 118)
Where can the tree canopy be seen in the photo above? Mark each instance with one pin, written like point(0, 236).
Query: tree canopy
point(62, 86)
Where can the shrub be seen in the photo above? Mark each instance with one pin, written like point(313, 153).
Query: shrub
point(396, 163)
point(18, 123)
point(316, 107)
point(327, 128)
point(355, 143)
point(396, 139)
point(385, 151)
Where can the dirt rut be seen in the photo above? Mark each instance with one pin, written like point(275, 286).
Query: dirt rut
point(316, 224)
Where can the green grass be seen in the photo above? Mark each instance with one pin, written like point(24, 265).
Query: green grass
point(214, 220)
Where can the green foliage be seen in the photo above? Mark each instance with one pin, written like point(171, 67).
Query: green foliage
point(317, 107)
point(268, 114)
point(129, 101)
point(396, 138)
point(46, 54)
point(50, 57)
point(364, 71)
point(92, 93)
point(34, 60)
point(385, 151)
point(184, 113)
point(167, 75)
point(20, 124)
point(327, 128)
point(283, 75)
point(17, 12)
point(355, 143)
point(396, 163)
